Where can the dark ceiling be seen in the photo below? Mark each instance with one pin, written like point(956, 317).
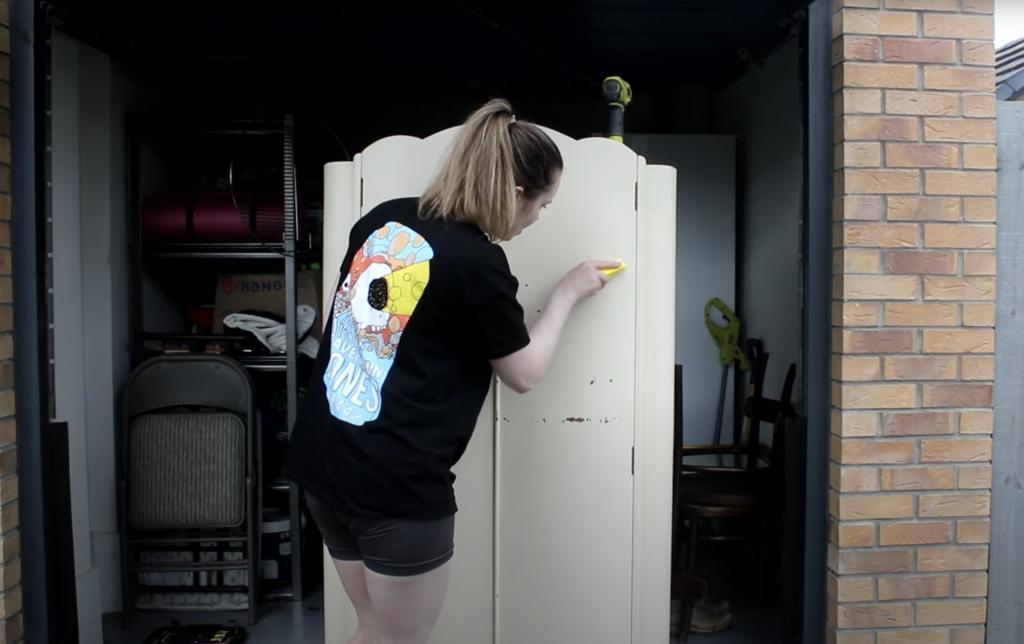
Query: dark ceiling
point(435, 46)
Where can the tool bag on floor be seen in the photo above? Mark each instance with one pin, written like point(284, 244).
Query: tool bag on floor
point(198, 634)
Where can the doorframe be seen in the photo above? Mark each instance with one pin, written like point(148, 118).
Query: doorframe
point(816, 260)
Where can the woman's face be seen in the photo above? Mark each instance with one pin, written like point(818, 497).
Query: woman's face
point(528, 210)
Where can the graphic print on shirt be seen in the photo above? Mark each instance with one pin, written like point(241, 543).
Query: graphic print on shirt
point(371, 309)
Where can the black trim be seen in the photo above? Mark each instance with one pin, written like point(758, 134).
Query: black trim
point(29, 34)
point(817, 320)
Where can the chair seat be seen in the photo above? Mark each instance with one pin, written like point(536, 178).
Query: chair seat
point(722, 460)
point(721, 491)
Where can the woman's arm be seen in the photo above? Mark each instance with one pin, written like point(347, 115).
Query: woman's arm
point(522, 370)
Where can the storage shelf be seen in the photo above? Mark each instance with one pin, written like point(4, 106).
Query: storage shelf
point(214, 251)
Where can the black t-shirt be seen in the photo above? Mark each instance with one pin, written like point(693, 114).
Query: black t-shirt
point(403, 369)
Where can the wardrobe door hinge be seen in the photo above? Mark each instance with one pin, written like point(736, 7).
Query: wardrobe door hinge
point(632, 463)
point(636, 196)
point(360, 192)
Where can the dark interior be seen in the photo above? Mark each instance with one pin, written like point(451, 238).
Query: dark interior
point(355, 72)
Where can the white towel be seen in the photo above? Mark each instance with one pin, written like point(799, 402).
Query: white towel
point(273, 334)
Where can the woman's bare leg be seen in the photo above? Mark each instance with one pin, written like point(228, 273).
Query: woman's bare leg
point(353, 578)
point(405, 609)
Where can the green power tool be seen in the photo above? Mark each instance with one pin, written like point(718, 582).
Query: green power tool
point(618, 93)
point(727, 339)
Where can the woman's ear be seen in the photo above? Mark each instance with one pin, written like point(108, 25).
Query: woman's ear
point(519, 192)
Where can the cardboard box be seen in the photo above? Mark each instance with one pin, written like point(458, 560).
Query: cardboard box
point(263, 292)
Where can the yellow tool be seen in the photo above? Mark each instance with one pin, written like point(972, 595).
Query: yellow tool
point(612, 272)
point(618, 93)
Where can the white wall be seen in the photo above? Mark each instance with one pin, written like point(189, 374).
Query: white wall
point(764, 110)
point(91, 289)
point(705, 265)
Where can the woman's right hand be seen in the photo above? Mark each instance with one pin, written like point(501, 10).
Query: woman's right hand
point(585, 280)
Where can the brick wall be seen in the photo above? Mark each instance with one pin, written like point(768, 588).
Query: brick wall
point(10, 542)
point(913, 321)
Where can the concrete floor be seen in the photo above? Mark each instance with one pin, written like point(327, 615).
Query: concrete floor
point(282, 622)
point(303, 623)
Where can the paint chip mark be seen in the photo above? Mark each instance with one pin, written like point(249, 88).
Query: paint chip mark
point(574, 420)
point(591, 382)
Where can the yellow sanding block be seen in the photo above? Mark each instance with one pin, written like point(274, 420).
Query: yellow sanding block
point(612, 272)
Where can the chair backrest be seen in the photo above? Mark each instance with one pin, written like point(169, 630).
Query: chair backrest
point(188, 451)
point(783, 413)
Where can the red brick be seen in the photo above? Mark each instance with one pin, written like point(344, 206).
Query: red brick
point(873, 562)
point(859, 155)
point(979, 105)
point(942, 130)
point(920, 368)
point(967, 183)
point(980, 157)
point(881, 235)
point(858, 208)
point(959, 341)
point(923, 5)
point(970, 585)
point(978, 368)
point(981, 263)
point(914, 262)
point(881, 341)
point(956, 450)
point(916, 479)
point(973, 531)
point(958, 504)
point(962, 27)
point(867, 48)
point(873, 616)
point(876, 23)
point(974, 477)
point(980, 209)
point(881, 128)
point(952, 559)
point(957, 612)
point(859, 101)
point(916, 155)
point(957, 395)
point(964, 79)
point(960, 288)
point(894, 396)
point(915, 534)
point(921, 103)
point(978, 53)
point(913, 587)
point(867, 287)
point(922, 209)
point(977, 421)
point(914, 314)
point(980, 315)
point(874, 452)
point(880, 182)
point(918, 423)
point(893, 76)
point(919, 50)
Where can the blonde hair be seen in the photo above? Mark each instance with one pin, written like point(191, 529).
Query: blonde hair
point(493, 154)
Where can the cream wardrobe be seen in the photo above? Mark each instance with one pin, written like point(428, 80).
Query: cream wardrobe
point(564, 493)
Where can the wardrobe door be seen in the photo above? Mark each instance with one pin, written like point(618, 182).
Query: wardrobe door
point(564, 450)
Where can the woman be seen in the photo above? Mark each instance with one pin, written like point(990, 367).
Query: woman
point(424, 315)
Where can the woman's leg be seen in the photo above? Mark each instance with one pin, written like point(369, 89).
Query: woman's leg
point(408, 566)
point(405, 609)
point(344, 551)
point(353, 578)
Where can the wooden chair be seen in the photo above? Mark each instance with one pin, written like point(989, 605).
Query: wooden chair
point(745, 452)
point(738, 491)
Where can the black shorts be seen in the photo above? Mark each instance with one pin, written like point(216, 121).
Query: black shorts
point(387, 546)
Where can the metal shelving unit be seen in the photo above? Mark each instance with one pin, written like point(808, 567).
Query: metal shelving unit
point(283, 254)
